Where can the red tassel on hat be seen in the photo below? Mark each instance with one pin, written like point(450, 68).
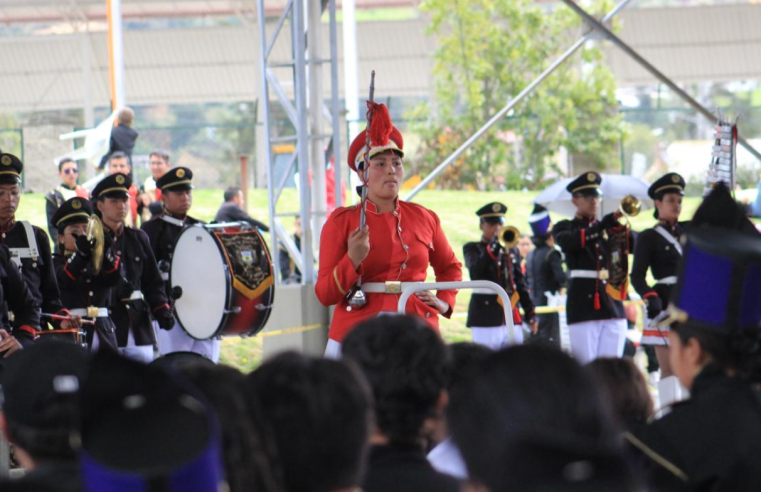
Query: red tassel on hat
point(381, 126)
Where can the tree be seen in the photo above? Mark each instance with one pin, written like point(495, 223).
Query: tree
point(488, 51)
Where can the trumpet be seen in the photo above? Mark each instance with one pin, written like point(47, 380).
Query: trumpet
point(630, 206)
point(95, 235)
point(509, 237)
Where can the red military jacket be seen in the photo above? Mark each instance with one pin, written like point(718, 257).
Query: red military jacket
point(402, 245)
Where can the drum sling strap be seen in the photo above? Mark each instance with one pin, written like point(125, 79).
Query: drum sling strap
point(31, 251)
point(173, 221)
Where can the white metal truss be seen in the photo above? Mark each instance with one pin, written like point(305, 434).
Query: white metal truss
point(306, 112)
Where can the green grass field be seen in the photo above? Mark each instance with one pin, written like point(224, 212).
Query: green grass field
point(456, 210)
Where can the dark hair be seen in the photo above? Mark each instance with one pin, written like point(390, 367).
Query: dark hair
point(625, 389)
point(161, 154)
point(246, 464)
point(738, 351)
point(407, 365)
point(465, 356)
point(317, 414)
point(520, 395)
point(45, 443)
point(119, 155)
point(231, 192)
point(63, 161)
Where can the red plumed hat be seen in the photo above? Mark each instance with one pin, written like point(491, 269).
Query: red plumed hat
point(383, 136)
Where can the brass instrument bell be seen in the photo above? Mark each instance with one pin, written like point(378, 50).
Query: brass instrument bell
point(509, 237)
point(95, 235)
point(630, 206)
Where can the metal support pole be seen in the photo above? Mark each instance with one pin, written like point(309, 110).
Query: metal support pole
point(116, 53)
point(318, 186)
point(267, 147)
point(510, 105)
point(592, 22)
point(334, 107)
point(298, 30)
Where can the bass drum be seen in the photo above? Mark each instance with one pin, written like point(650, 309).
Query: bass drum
point(222, 280)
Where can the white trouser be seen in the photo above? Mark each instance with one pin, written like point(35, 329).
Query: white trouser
point(600, 338)
point(497, 337)
point(177, 340)
point(333, 350)
point(140, 353)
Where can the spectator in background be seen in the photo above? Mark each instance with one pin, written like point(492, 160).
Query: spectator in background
point(408, 367)
point(123, 137)
point(624, 387)
point(119, 163)
point(525, 246)
point(234, 209)
point(68, 172)
point(150, 195)
point(529, 418)
point(40, 386)
point(316, 415)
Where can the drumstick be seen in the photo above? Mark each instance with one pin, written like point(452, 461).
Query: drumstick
point(67, 318)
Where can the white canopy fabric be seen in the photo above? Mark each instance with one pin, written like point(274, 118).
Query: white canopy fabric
point(614, 188)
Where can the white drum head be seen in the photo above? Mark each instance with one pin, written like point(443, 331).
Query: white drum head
point(200, 270)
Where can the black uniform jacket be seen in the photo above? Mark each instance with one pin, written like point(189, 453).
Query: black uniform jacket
point(230, 212)
point(81, 289)
point(39, 273)
point(404, 468)
point(139, 272)
point(15, 294)
point(544, 271)
point(653, 251)
point(711, 442)
point(584, 249)
point(162, 236)
point(484, 310)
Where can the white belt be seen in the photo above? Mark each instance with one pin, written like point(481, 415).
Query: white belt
point(594, 274)
point(386, 287)
point(90, 312)
point(667, 280)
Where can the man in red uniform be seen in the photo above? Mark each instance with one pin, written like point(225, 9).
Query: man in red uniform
point(396, 246)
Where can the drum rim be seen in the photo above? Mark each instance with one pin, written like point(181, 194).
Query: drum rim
point(228, 283)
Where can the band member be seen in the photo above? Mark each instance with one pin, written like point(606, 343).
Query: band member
point(396, 246)
point(68, 172)
point(658, 249)
point(544, 267)
point(176, 193)
point(28, 244)
point(140, 294)
point(149, 200)
point(84, 292)
point(487, 259)
point(18, 299)
point(596, 321)
point(712, 441)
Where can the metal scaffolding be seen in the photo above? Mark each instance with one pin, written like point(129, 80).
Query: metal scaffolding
point(315, 126)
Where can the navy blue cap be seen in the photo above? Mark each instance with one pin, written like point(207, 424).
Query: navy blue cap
point(539, 220)
point(587, 183)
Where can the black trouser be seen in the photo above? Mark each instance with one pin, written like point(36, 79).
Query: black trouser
point(548, 331)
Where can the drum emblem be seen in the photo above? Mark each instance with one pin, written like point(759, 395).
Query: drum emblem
point(247, 257)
